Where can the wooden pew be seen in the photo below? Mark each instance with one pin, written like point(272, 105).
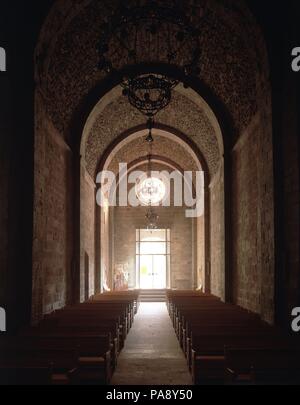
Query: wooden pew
point(208, 353)
point(264, 365)
point(205, 326)
point(59, 362)
point(78, 344)
point(22, 375)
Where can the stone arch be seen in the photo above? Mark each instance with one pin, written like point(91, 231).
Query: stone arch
point(237, 93)
point(163, 130)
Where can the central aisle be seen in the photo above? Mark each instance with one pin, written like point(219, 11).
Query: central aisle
point(152, 354)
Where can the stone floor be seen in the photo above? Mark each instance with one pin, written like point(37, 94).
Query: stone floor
point(152, 355)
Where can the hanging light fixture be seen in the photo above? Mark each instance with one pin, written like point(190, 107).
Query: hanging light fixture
point(149, 93)
point(165, 34)
point(151, 190)
point(152, 219)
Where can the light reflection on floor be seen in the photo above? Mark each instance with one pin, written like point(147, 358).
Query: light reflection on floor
point(152, 354)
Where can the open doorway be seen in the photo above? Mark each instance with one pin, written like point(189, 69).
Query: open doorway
point(153, 258)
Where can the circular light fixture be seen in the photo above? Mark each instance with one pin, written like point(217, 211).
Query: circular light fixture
point(151, 191)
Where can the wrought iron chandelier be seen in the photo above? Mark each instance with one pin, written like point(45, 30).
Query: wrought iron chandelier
point(149, 93)
point(158, 33)
point(152, 219)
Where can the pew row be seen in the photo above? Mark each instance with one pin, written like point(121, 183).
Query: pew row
point(218, 339)
point(77, 344)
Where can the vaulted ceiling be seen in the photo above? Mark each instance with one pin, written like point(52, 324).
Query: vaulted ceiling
point(233, 63)
point(164, 149)
point(67, 59)
point(182, 115)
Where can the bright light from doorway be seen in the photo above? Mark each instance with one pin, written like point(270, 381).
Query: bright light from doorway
point(153, 258)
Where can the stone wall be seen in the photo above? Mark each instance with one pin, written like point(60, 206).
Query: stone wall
point(4, 206)
point(200, 250)
point(291, 195)
point(246, 225)
point(105, 241)
point(87, 235)
point(253, 221)
point(217, 235)
point(52, 233)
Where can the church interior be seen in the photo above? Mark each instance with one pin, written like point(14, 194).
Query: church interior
point(149, 193)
